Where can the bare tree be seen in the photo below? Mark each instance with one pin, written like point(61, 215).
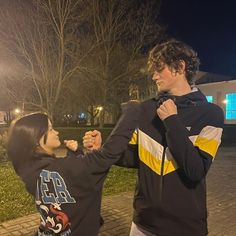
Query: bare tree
point(122, 30)
point(94, 48)
point(80, 95)
point(43, 39)
point(14, 86)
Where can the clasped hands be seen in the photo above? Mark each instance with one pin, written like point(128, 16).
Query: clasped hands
point(92, 140)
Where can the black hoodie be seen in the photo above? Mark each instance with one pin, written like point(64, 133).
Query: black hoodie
point(173, 157)
point(68, 190)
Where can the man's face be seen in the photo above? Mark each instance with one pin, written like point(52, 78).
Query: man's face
point(165, 79)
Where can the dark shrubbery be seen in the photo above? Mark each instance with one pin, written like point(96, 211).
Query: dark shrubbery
point(3, 142)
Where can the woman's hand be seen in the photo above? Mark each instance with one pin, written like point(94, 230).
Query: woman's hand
point(71, 144)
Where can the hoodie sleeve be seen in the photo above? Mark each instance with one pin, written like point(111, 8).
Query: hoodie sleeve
point(74, 154)
point(194, 157)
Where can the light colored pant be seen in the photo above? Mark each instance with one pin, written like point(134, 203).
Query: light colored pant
point(137, 231)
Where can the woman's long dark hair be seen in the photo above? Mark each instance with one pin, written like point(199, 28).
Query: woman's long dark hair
point(24, 136)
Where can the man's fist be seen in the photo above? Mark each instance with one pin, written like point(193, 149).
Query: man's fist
point(166, 109)
point(92, 140)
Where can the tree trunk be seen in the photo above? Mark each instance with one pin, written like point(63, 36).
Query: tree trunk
point(101, 118)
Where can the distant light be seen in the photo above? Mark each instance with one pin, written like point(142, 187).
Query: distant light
point(100, 108)
point(17, 110)
point(225, 101)
point(82, 115)
point(67, 115)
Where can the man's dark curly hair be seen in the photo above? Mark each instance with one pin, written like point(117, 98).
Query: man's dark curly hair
point(171, 53)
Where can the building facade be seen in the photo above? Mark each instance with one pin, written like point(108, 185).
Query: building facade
point(221, 90)
point(224, 95)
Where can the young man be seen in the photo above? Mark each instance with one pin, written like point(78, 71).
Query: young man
point(177, 139)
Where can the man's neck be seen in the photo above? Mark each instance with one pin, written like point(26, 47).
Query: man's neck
point(181, 90)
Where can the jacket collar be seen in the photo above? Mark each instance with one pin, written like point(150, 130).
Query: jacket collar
point(194, 98)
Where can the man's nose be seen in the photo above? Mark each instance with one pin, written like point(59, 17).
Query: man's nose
point(155, 76)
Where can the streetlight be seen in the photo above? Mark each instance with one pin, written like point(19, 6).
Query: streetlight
point(100, 111)
point(100, 108)
point(17, 111)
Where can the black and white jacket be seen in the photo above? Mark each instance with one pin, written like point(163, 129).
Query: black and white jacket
point(173, 159)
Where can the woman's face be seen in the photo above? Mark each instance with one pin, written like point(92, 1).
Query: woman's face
point(52, 141)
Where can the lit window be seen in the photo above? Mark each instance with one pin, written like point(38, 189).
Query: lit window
point(230, 106)
point(209, 98)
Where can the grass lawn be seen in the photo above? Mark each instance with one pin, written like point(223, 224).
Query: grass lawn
point(16, 202)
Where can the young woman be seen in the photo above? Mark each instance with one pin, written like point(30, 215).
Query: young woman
point(67, 191)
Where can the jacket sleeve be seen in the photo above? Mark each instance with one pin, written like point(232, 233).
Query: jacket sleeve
point(194, 157)
point(100, 161)
point(129, 158)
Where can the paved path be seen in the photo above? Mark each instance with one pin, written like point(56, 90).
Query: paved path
point(117, 210)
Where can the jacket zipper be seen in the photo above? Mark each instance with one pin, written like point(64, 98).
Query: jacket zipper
point(162, 171)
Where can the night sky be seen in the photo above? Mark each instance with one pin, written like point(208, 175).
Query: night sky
point(209, 27)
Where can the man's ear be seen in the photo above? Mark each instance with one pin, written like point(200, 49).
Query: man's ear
point(182, 67)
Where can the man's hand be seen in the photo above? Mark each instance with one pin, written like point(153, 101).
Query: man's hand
point(168, 108)
point(92, 140)
point(71, 144)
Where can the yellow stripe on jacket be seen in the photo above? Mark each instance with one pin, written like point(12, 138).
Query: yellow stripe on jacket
point(150, 153)
point(209, 140)
point(134, 138)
